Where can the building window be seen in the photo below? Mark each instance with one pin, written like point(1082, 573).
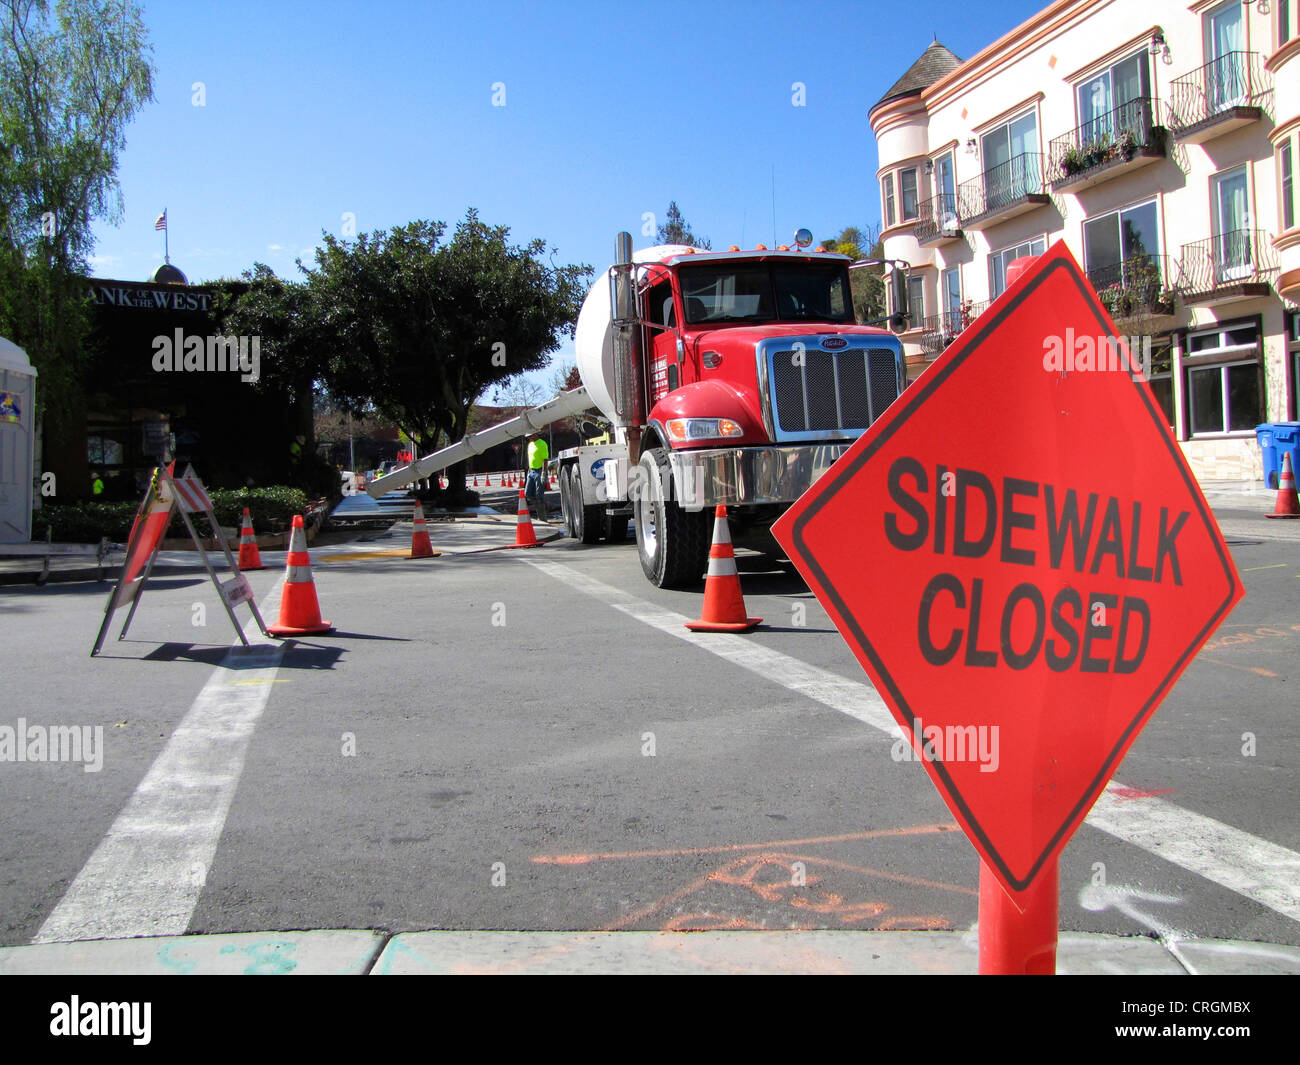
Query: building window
point(1121, 249)
point(945, 191)
point(1224, 385)
point(907, 191)
point(1225, 74)
point(915, 301)
point(999, 261)
point(1293, 350)
point(887, 199)
point(1233, 246)
point(1283, 22)
point(1162, 376)
point(951, 294)
point(1286, 178)
point(1114, 100)
point(1011, 161)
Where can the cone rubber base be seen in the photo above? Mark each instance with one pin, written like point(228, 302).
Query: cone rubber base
point(1282, 515)
point(724, 626)
point(289, 630)
point(247, 569)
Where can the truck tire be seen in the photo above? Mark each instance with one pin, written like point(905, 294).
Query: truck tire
point(588, 521)
point(673, 543)
point(566, 500)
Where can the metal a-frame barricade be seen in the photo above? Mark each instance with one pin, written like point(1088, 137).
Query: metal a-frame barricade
point(187, 495)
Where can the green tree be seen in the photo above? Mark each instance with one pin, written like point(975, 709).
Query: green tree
point(72, 76)
point(867, 283)
point(417, 329)
point(675, 230)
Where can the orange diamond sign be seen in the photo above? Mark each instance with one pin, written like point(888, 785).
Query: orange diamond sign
point(1020, 558)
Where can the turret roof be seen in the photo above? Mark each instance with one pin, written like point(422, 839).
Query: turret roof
point(930, 66)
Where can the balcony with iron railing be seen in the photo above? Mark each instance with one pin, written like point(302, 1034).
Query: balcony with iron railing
point(1232, 266)
point(1122, 139)
point(1139, 287)
point(940, 330)
point(938, 221)
point(1232, 91)
point(1002, 192)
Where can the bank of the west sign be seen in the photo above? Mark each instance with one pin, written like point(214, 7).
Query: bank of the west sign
point(149, 299)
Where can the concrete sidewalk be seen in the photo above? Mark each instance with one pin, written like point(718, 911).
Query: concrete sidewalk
point(361, 952)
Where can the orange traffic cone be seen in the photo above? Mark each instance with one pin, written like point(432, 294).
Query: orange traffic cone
point(724, 606)
point(476, 480)
point(421, 545)
point(1288, 504)
point(299, 610)
point(249, 558)
point(524, 535)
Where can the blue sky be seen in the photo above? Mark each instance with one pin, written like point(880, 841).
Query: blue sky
point(385, 110)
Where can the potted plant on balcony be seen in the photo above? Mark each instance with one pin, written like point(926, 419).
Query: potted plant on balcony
point(1117, 300)
point(1166, 302)
point(1071, 161)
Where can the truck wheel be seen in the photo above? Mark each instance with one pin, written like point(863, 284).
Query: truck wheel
point(588, 521)
point(570, 490)
point(673, 543)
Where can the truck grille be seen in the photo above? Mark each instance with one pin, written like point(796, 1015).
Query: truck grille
point(818, 390)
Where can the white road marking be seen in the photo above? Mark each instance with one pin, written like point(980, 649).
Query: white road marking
point(145, 877)
point(1264, 872)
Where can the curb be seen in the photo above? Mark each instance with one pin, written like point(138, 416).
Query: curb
point(824, 952)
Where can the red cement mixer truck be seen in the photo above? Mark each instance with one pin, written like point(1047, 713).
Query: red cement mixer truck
point(733, 378)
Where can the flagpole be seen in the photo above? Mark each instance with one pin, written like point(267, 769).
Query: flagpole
point(167, 248)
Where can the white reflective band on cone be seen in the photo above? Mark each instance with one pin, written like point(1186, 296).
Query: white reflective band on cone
point(722, 567)
point(296, 544)
point(297, 575)
point(721, 532)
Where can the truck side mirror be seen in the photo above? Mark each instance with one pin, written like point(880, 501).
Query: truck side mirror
point(901, 315)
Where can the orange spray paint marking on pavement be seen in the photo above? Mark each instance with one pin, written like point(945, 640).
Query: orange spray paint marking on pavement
point(731, 848)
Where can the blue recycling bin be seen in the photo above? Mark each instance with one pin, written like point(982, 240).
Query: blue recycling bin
point(1275, 438)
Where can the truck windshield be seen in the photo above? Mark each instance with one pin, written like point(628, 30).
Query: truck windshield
point(766, 292)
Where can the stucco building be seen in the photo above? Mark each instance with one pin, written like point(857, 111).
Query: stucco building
point(1160, 142)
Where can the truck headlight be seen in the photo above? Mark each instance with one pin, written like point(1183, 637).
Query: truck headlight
point(683, 429)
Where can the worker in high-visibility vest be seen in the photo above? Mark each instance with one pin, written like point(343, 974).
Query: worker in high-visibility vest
point(535, 486)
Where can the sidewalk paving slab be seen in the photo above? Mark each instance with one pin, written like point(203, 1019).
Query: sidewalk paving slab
point(769, 953)
point(1227, 957)
point(344, 953)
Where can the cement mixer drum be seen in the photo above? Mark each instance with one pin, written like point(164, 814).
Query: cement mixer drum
point(594, 341)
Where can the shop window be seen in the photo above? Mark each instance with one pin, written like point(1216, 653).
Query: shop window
point(1225, 384)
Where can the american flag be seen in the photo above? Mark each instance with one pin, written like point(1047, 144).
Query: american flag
point(161, 221)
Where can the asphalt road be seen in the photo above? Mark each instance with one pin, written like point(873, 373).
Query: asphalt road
point(530, 740)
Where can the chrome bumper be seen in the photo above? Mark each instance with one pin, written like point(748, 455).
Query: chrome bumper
point(750, 475)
